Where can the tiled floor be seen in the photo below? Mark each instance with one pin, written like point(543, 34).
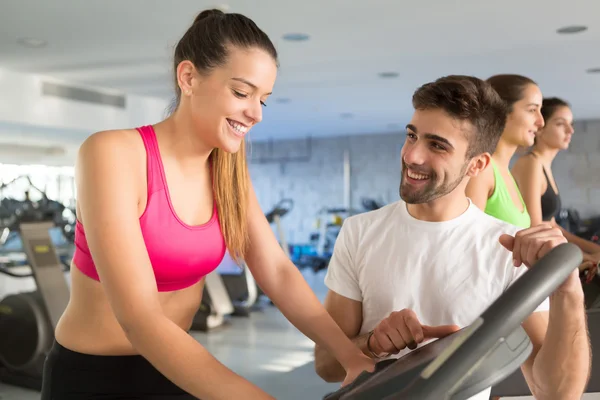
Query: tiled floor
point(265, 349)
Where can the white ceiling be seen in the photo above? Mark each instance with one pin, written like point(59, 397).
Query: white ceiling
point(127, 45)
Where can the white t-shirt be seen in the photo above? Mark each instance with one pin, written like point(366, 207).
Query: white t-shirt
point(446, 272)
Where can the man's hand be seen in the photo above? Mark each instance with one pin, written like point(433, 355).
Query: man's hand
point(529, 245)
point(402, 329)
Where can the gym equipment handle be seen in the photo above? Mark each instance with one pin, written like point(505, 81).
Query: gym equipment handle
point(440, 379)
point(360, 379)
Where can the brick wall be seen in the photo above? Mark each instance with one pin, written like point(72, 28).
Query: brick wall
point(313, 176)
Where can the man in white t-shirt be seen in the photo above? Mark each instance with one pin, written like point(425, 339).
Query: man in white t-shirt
point(431, 263)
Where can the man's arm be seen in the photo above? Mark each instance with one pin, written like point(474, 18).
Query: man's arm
point(347, 313)
point(559, 365)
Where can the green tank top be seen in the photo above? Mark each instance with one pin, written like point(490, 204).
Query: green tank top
point(501, 206)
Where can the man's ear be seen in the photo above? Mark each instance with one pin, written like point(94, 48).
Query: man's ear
point(478, 164)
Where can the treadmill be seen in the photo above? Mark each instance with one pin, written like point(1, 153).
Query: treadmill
point(477, 357)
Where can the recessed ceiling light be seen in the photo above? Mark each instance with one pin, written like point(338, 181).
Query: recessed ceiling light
point(346, 115)
point(388, 74)
point(32, 42)
point(223, 7)
point(594, 70)
point(282, 100)
point(571, 29)
point(295, 37)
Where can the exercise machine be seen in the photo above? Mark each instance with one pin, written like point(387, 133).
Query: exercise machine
point(274, 217)
point(370, 204)
point(240, 286)
point(477, 357)
point(328, 224)
point(28, 320)
point(13, 212)
point(216, 305)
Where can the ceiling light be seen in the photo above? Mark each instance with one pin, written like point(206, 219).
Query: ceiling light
point(32, 42)
point(223, 7)
point(295, 37)
point(594, 70)
point(388, 74)
point(571, 29)
point(346, 115)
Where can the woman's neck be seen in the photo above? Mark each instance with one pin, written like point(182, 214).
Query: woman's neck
point(181, 139)
point(544, 153)
point(504, 153)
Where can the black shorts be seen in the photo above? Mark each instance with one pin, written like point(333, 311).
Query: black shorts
point(69, 375)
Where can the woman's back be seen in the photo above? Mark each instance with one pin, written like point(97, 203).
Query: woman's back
point(546, 193)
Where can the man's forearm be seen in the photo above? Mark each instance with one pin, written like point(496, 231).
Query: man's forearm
point(328, 368)
point(562, 366)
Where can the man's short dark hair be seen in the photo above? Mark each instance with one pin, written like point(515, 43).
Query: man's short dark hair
point(471, 99)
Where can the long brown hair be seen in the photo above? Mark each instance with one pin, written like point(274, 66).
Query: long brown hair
point(231, 184)
point(205, 44)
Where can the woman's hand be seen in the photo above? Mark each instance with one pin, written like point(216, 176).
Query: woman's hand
point(591, 257)
point(358, 365)
point(590, 266)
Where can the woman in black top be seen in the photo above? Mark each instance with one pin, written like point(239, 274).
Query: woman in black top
point(533, 174)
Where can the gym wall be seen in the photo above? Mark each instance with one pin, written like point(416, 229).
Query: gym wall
point(312, 175)
point(577, 170)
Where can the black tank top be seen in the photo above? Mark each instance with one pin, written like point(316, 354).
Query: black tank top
point(551, 203)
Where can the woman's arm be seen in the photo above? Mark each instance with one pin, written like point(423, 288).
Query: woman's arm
point(480, 187)
point(108, 194)
point(529, 175)
point(283, 283)
point(586, 246)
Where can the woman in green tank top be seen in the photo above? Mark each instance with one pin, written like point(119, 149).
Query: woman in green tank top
point(494, 190)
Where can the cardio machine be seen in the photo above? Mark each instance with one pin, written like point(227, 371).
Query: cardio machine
point(479, 356)
point(215, 306)
point(28, 320)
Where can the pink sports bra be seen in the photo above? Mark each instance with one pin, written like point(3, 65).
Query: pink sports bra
point(181, 255)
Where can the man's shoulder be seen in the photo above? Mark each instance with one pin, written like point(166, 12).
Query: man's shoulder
point(369, 218)
point(487, 224)
point(365, 227)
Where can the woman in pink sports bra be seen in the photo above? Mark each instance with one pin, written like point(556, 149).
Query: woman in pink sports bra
point(157, 208)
